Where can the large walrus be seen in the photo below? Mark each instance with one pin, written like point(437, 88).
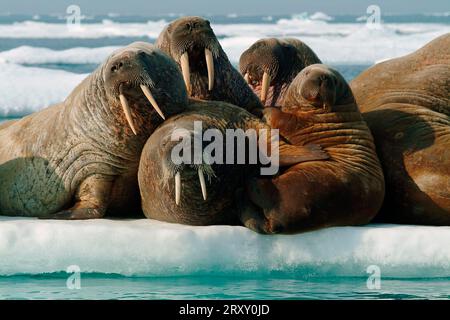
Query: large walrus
point(206, 70)
point(345, 190)
point(78, 159)
point(269, 66)
point(210, 190)
point(406, 103)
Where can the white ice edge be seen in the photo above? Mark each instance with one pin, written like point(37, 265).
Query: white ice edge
point(151, 248)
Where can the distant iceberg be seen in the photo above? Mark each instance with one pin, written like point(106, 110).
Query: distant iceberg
point(151, 248)
point(321, 16)
point(33, 55)
point(27, 89)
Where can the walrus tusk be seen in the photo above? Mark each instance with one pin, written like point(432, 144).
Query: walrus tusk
point(127, 111)
point(177, 188)
point(246, 77)
point(201, 177)
point(210, 67)
point(186, 71)
point(152, 100)
point(265, 86)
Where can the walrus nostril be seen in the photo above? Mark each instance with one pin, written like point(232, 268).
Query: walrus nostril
point(116, 67)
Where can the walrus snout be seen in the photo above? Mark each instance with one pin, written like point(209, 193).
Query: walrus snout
point(260, 65)
point(276, 62)
point(320, 90)
point(193, 44)
point(140, 70)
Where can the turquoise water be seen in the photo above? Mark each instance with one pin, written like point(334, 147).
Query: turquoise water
point(98, 286)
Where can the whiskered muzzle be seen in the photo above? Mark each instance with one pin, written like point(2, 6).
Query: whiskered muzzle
point(126, 107)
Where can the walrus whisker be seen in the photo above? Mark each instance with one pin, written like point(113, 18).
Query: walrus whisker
point(210, 67)
point(127, 111)
point(152, 100)
point(201, 177)
point(265, 86)
point(177, 187)
point(184, 60)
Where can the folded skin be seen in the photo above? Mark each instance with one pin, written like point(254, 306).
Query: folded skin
point(347, 189)
point(406, 103)
point(78, 159)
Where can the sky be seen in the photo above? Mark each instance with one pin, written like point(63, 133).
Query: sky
point(243, 7)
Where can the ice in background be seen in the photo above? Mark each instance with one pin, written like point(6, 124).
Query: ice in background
point(41, 59)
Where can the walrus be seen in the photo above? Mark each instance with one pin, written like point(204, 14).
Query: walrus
point(406, 103)
point(269, 66)
point(206, 70)
point(345, 190)
point(211, 190)
point(78, 159)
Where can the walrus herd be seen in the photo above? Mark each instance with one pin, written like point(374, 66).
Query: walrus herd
point(308, 150)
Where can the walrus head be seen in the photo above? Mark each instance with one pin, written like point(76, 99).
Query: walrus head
point(274, 62)
point(195, 191)
point(141, 71)
point(318, 88)
point(191, 42)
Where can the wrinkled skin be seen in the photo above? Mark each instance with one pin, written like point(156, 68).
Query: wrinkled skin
point(406, 103)
point(281, 59)
point(224, 182)
point(78, 159)
point(192, 35)
point(346, 189)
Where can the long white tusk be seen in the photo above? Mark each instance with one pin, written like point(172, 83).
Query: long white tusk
point(265, 86)
point(246, 77)
point(210, 67)
point(177, 187)
point(152, 100)
point(201, 177)
point(127, 111)
point(186, 71)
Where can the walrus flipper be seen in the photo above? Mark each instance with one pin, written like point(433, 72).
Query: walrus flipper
point(290, 154)
point(91, 200)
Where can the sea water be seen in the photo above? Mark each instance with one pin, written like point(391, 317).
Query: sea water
point(42, 60)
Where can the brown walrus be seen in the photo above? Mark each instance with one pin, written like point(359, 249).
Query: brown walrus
point(270, 65)
point(406, 103)
point(78, 159)
point(211, 190)
point(345, 190)
point(207, 72)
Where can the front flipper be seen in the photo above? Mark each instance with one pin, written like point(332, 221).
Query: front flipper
point(252, 217)
point(290, 154)
point(77, 214)
point(92, 199)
